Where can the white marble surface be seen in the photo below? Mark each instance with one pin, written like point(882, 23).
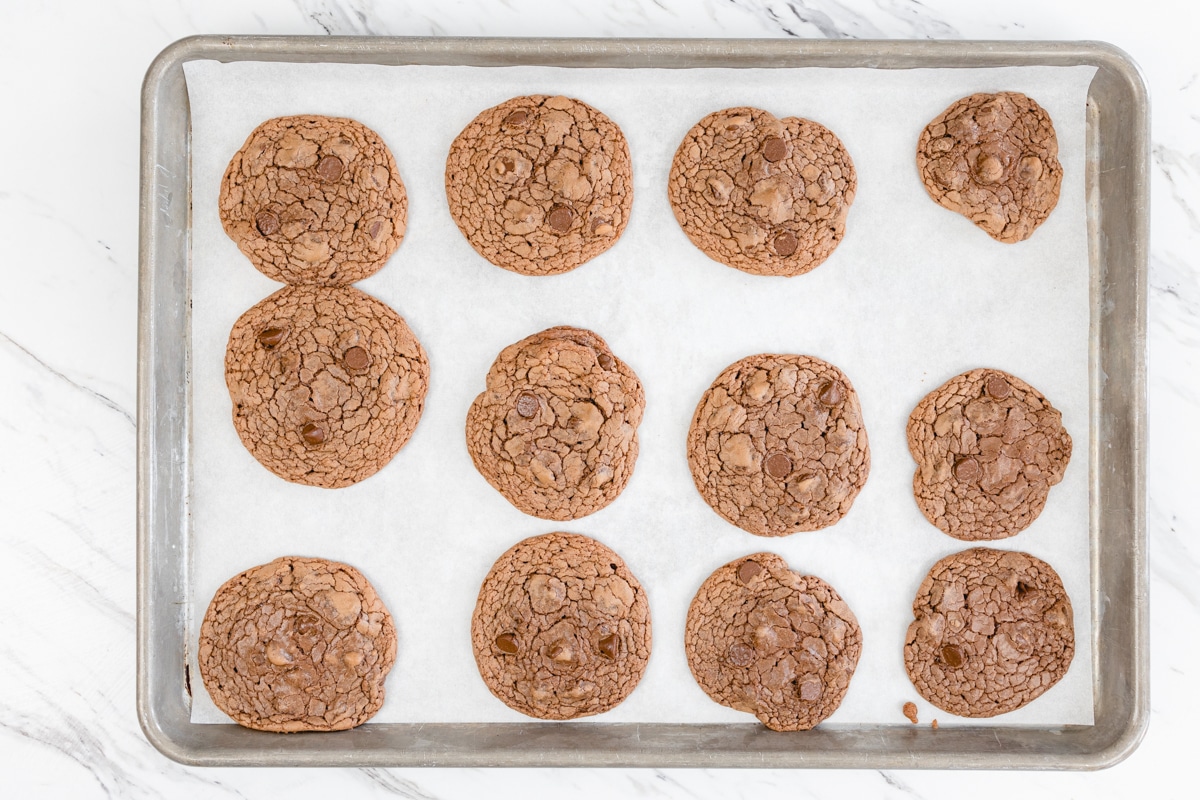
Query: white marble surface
point(70, 75)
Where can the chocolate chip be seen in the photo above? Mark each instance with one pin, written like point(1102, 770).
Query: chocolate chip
point(560, 218)
point(517, 119)
point(748, 570)
point(774, 149)
point(271, 338)
point(267, 222)
point(952, 656)
point(968, 470)
point(356, 358)
point(330, 168)
point(506, 643)
point(778, 465)
point(608, 646)
point(830, 393)
point(786, 243)
point(528, 405)
point(312, 434)
point(997, 387)
point(606, 361)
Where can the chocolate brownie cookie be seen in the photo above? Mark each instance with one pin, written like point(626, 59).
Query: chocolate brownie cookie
point(561, 628)
point(767, 196)
point(777, 444)
point(994, 159)
point(764, 639)
point(327, 384)
point(555, 432)
point(540, 184)
point(314, 200)
point(992, 631)
point(988, 447)
point(299, 644)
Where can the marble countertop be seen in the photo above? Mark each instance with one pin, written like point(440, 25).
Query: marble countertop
point(68, 220)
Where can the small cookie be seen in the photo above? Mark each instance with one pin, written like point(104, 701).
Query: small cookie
point(327, 384)
point(764, 639)
point(777, 444)
point(540, 184)
point(314, 200)
point(994, 159)
point(561, 628)
point(992, 631)
point(988, 447)
point(556, 430)
point(767, 196)
point(299, 644)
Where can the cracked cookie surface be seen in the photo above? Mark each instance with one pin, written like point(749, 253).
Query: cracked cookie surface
point(314, 200)
point(539, 185)
point(764, 195)
point(994, 159)
point(555, 431)
point(777, 444)
point(988, 447)
point(561, 628)
point(992, 631)
point(299, 644)
point(327, 384)
point(764, 639)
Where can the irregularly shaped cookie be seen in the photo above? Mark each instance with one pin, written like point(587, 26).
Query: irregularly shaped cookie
point(299, 644)
point(555, 432)
point(780, 645)
point(540, 184)
point(992, 631)
point(561, 628)
point(314, 200)
point(777, 444)
point(327, 384)
point(988, 447)
point(767, 196)
point(994, 159)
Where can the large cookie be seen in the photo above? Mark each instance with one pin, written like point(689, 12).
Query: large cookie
point(555, 431)
point(992, 631)
point(561, 628)
point(777, 444)
point(988, 447)
point(764, 639)
point(767, 196)
point(327, 384)
point(994, 159)
point(299, 644)
point(540, 184)
point(314, 200)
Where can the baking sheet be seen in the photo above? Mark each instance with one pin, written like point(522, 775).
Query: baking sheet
point(914, 295)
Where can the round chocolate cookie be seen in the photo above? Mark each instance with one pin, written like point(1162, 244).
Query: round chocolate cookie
point(327, 384)
point(561, 628)
point(988, 447)
point(540, 184)
point(992, 631)
point(777, 444)
point(314, 200)
point(555, 432)
point(299, 644)
point(764, 639)
point(767, 196)
point(994, 159)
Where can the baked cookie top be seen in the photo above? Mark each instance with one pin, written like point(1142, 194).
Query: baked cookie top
point(992, 631)
point(327, 384)
point(561, 628)
point(988, 447)
point(299, 644)
point(767, 196)
point(777, 444)
point(540, 184)
point(764, 639)
point(314, 200)
point(994, 159)
point(555, 431)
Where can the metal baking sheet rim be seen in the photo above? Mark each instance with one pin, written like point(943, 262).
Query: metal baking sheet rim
point(1118, 220)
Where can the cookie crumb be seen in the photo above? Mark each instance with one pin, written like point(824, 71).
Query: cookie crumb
point(933, 724)
point(910, 711)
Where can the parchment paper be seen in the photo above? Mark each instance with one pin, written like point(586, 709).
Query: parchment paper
point(914, 295)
